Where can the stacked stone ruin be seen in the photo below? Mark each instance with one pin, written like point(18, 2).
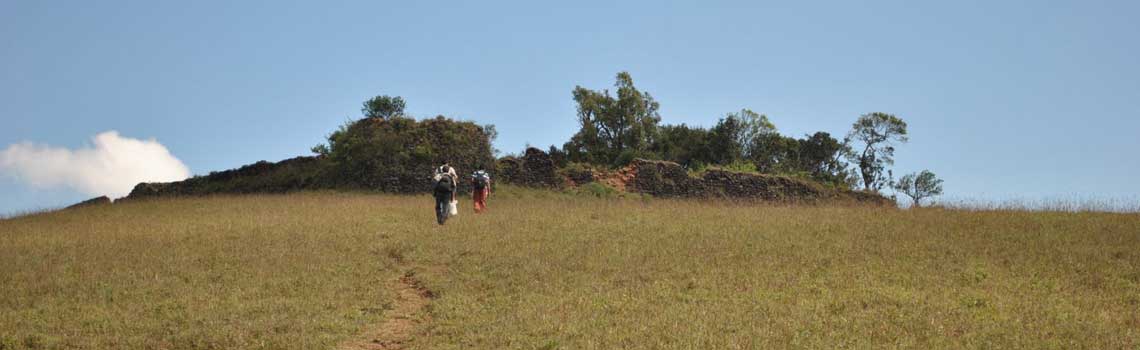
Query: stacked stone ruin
point(533, 169)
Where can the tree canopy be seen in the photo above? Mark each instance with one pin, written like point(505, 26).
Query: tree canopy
point(919, 186)
point(874, 136)
point(619, 124)
point(389, 151)
point(383, 107)
point(613, 128)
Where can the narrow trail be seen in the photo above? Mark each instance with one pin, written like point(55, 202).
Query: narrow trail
point(400, 322)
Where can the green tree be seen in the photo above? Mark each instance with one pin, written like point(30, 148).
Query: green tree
point(752, 125)
point(492, 135)
point(558, 157)
point(399, 154)
point(733, 137)
point(391, 152)
point(724, 143)
point(820, 155)
point(683, 144)
point(320, 149)
point(919, 186)
point(874, 136)
point(383, 107)
point(612, 127)
point(769, 152)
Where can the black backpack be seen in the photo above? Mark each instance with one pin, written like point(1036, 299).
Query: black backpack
point(444, 186)
point(481, 180)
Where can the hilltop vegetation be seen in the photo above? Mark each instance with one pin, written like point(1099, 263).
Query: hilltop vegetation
point(394, 154)
point(398, 154)
point(555, 271)
point(389, 151)
point(615, 129)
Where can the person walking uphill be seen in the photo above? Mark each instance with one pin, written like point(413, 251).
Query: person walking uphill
point(481, 182)
point(444, 192)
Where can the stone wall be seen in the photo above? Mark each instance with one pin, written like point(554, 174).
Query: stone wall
point(579, 176)
point(533, 169)
point(664, 179)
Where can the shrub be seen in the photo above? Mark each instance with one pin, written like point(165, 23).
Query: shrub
point(399, 154)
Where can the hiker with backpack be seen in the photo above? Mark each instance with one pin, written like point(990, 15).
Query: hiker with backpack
point(481, 182)
point(444, 192)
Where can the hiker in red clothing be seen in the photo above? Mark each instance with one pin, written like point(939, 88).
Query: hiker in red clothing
point(481, 182)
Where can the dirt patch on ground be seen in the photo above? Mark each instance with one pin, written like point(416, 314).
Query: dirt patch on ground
point(400, 322)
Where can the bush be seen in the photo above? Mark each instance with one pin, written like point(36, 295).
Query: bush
point(399, 154)
point(533, 169)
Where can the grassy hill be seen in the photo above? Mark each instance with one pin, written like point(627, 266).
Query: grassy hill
point(555, 271)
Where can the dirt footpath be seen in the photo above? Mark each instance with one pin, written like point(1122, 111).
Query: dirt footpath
point(400, 322)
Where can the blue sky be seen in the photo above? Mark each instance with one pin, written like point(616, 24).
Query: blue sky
point(1025, 99)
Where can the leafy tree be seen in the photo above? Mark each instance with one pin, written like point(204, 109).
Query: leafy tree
point(732, 138)
point(613, 127)
point(399, 154)
point(320, 149)
point(752, 125)
point(492, 135)
point(918, 186)
point(819, 154)
point(326, 149)
point(390, 152)
point(723, 143)
point(383, 107)
point(875, 135)
point(683, 144)
point(558, 157)
point(773, 153)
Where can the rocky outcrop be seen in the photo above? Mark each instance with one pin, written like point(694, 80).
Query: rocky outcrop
point(664, 179)
point(580, 176)
point(671, 180)
point(533, 169)
point(101, 200)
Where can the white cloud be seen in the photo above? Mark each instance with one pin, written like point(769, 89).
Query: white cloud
point(112, 167)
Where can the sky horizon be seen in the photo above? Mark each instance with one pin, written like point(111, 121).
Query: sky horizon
point(1018, 99)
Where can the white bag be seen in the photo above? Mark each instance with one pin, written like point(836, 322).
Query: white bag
point(453, 208)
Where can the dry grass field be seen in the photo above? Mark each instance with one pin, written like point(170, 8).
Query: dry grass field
point(553, 271)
